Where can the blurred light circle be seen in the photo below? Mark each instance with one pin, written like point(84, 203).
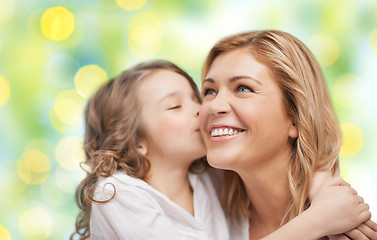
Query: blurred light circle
point(60, 126)
point(373, 41)
point(69, 153)
point(89, 79)
point(131, 5)
point(35, 223)
point(348, 91)
point(34, 167)
point(4, 233)
point(145, 35)
point(57, 23)
point(352, 140)
point(325, 48)
point(67, 111)
point(4, 91)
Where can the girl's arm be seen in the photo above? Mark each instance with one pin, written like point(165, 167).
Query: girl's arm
point(336, 208)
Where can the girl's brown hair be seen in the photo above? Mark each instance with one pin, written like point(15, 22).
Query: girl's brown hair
point(112, 132)
point(307, 103)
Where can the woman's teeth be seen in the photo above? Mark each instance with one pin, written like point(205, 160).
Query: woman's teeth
point(217, 132)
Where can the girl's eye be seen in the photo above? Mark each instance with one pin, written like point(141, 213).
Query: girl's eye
point(209, 91)
point(174, 107)
point(243, 88)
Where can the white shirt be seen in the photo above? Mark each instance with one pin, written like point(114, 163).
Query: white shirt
point(138, 211)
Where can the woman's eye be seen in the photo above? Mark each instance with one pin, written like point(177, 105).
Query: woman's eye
point(243, 88)
point(174, 107)
point(209, 91)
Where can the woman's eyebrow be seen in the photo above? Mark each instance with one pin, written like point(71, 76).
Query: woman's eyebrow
point(208, 80)
point(233, 79)
point(236, 78)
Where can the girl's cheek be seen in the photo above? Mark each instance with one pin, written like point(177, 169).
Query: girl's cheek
point(203, 114)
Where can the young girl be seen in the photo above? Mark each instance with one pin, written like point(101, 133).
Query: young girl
point(147, 177)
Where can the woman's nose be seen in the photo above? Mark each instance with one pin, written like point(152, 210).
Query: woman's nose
point(219, 105)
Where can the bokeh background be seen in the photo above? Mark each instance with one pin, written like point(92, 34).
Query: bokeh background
point(55, 54)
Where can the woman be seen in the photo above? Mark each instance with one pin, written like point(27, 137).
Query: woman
point(266, 116)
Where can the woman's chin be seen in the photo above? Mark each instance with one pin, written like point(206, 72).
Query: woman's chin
point(220, 161)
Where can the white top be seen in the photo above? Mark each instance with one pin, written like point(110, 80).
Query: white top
point(138, 211)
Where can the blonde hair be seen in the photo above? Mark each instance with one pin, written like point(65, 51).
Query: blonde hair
point(112, 132)
point(308, 105)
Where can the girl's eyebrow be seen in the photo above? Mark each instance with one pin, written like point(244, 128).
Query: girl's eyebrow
point(175, 93)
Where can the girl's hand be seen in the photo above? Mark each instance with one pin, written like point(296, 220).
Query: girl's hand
point(366, 230)
point(338, 208)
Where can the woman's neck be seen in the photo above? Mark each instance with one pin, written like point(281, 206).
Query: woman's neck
point(172, 182)
point(268, 190)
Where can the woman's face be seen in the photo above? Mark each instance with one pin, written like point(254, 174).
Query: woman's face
point(243, 119)
point(169, 113)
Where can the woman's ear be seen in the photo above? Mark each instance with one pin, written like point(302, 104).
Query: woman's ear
point(293, 132)
point(142, 147)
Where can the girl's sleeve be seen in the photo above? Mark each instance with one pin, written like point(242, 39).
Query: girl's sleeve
point(131, 214)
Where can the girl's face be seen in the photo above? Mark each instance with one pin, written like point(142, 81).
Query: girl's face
point(169, 113)
point(243, 119)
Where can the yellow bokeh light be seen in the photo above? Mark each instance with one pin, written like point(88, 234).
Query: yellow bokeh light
point(352, 140)
point(69, 153)
point(4, 91)
point(57, 23)
point(131, 5)
point(4, 233)
point(373, 41)
point(88, 79)
point(35, 223)
point(67, 111)
point(34, 167)
point(145, 35)
point(325, 48)
point(37, 161)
